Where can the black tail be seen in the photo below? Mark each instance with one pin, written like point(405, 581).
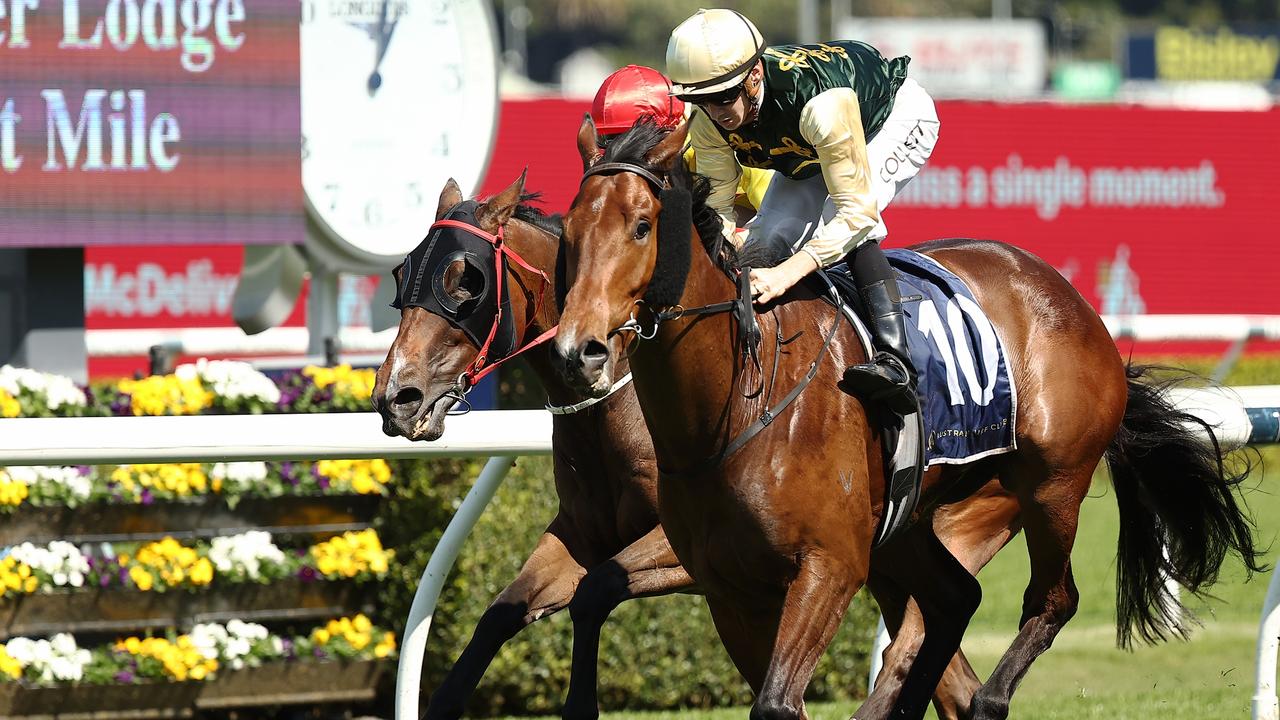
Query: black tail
point(1178, 513)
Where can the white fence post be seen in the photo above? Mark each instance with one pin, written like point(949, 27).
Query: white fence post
point(878, 646)
point(1264, 696)
point(414, 644)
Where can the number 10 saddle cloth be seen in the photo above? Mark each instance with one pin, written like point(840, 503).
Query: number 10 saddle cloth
point(967, 396)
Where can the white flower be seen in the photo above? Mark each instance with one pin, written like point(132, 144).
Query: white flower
point(244, 553)
point(77, 484)
point(56, 390)
point(207, 638)
point(43, 652)
point(60, 559)
point(55, 659)
point(232, 379)
point(240, 472)
point(77, 578)
point(237, 647)
point(21, 649)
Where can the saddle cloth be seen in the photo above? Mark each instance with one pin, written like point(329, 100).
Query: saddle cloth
point(967, 397)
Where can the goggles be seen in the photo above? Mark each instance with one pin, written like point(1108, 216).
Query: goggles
point(724, 97)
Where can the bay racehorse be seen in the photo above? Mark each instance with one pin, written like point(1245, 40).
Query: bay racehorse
point(778, 534)
point(605, 545)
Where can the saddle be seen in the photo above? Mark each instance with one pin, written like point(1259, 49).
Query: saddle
point(965, 391)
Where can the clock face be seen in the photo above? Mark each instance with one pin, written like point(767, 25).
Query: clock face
point(381, 137)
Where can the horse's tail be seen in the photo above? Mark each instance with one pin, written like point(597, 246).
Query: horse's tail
point(1178, 513)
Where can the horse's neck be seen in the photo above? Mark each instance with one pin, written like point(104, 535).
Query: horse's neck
point(685, 378)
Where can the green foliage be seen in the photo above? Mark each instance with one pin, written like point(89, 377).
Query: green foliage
point(656, 653)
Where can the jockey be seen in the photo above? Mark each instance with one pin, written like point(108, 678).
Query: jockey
point(844, 129)
point(636, 91)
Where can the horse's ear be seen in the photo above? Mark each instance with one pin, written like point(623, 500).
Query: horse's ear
point(451, 195)
point(588, 142)
point(497, 210)
point(669, 148)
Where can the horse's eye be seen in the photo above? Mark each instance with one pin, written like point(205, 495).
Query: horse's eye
point(642, 230)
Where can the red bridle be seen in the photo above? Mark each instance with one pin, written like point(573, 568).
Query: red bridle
point(481, 366)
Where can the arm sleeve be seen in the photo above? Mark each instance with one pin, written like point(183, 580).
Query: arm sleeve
point(832, 123)
point(716, 161)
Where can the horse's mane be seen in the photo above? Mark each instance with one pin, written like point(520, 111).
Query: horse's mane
point(537, 217)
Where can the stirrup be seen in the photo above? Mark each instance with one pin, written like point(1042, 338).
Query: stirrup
point(870, 382)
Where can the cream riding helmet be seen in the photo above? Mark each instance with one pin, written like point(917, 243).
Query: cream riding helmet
point(710, 54)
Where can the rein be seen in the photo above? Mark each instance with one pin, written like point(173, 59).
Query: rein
point(744, 313)
point(481, 366)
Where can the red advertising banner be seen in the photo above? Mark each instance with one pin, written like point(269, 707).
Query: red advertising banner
point(149, 122)
point(1145, 211)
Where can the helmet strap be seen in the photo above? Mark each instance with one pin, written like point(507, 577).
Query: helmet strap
point(751, 109)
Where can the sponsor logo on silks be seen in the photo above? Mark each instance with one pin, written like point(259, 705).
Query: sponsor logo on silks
point(799, 57)
point(791, 146)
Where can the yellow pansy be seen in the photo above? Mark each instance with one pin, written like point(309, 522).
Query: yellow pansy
point(9, 405)
point(140, 577)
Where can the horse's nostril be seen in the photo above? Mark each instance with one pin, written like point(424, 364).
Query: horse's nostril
point(595, 351)
point(407, 396)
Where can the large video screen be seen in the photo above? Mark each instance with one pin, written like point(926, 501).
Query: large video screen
point(149, 122)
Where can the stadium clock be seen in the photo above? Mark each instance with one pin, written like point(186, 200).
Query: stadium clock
point(397, 97)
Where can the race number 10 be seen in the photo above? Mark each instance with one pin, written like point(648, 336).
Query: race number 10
point(956, 356)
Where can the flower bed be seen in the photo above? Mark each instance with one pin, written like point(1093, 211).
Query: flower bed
point(302, 517)
point(250, 557)
point(47, 486)
point(125, 573)
point(220, 386)
point(211, 666)
point(197, 655)
point(93, 610)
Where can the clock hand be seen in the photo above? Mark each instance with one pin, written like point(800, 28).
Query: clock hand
point(384, 41)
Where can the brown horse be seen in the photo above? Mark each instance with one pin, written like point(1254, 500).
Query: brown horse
point(778, 534)
point(602, 547)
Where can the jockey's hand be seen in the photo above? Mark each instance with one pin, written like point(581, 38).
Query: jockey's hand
point(768, 284)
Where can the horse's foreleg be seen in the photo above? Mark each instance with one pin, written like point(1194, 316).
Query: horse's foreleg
point(1051, 513)
point(545, 584)
point(815, 603)
point(644, 568)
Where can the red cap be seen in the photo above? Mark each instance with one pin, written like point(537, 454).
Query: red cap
point(631, 93)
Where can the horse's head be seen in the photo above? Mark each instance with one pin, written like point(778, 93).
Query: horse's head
point(611, 249)
point(447, 299)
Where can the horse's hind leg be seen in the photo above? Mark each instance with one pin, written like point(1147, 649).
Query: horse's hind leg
point(947, 596)
point(902, 617)
point(815, 603)
point(644, 568)
point(545, 584)
point(1051, 513)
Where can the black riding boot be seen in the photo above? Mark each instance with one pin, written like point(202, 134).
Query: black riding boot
point(890, 377)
